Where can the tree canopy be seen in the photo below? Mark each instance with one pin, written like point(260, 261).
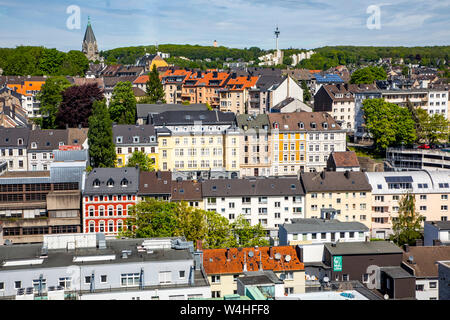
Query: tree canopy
point(122, 107)
point(154, 88)
point(407, 227)
point(38, 61)
point(141, 159)
point(368, 75)
point(154, 218)
point(51, 97)
point(102, 151)
point(388, 124)
point(76, 106)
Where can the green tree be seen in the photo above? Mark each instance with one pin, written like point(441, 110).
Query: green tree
point(50, 61)
point(407, 227)
point(141, 159)
point(246, 235)
point(287, 60)
point(388, 124)
point(75, 63)
point(368, 75)
point(122, 108)
point(155, 90)
point(50, 98)
point(218, 233)
point(306, 92)
point(101, 146)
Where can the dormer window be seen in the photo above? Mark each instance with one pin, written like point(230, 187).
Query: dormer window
point(96, 183)
point(301, 125)
point(313, 125)
point(33, 145)
point(152, 138)
point(275, 125)
point(325, 125)
point(19, 141)
point(136, 139)
point(124, 182)
point(119, 140)
point(60, 143)
point(110, 183)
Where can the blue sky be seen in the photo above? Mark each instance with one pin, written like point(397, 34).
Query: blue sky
point(233, 23)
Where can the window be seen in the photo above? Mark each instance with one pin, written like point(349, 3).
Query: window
point(419, 287)
point(288, 290)
point(182, 274)
point(17, 284)
point(444, 208)
point(87, 280)
point(2, 286)
point(215, 294)
point(129, 279)
point(351, 234)
point(444, 197)
point(215, 279)
point(433, 285)
point(345, 277)
point(323, 235)
point(103, 278)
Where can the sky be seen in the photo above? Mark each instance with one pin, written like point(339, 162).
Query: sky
point(303, 24)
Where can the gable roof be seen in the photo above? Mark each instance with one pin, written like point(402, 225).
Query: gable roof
point(288, 122)
point(173, 118)
point(215, 260)
point(47, 139)
point(129, 131)
point(155, 183)
point(425, 259)
point(103, 175)
point(319, 225)
point(144, 109)
point(344, 159)
point(9, 136)
point(331, 181)
point(186, 191)
point(252, 187)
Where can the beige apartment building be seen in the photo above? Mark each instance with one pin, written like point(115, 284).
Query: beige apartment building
point(224, 266)
point(234, 97)
point(431, 190)
point(255, 146)
point(345, 196)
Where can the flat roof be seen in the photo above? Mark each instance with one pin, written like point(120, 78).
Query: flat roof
point(320, 225)
point(355, 248)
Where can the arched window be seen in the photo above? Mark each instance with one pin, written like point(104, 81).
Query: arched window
point(110, 226)
point(110, 211)
point(96, 183)
point(92, 227)
point(101, 226)
point(128, 209)
point(101, 211)
point(91, 211)
point(110, 183)
point(124, 182)
point(119, 210)
point(119, 225)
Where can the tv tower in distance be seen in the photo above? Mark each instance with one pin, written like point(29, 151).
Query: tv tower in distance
point(277, 34)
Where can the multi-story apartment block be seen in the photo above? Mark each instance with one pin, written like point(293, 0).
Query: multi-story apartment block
point(255, 151)
point(234, 97)
point(173, 81)
point(86, 267)
point(108, 195)
point(361, 132)
point(268, 201)
point(197, 141)
point(28, 87)
point(430, 188)
point(259, 97)
point(345, 196)
point(339, 101)
point(33, 204)
point(13, 148)
point(224, 266)
point(417, 159)
point(41, 145)
point(438, 102)
point(200, 87)
point(155, 184)
point(189, 192)
point(303, 141)
point(131, 138)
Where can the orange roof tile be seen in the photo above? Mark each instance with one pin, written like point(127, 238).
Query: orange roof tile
point(141, 79)
point(27, 86)
point(241, 83)
point(215, 260)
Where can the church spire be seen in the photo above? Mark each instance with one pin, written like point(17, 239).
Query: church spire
point(90, 48)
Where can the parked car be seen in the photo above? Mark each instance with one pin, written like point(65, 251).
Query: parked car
point(424, 146)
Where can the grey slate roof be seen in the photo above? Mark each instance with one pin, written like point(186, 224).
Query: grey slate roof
point(89, 34)
point(330, 181)
point(441, 225)
point(172, 118)
point(71, 155)
point(103, 175)
point(10, 136)
point(127, 132)
point(253, 122)
point(319, 225)
point(355, 248)
point(47, 139)
point(252, 187)
point(396, 272)
point(144, 109)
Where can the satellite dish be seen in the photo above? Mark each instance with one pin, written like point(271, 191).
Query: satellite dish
point(287, 258)
point(386, 297)
point(277, 256)
point(251, 254)
point(282, 276)
point(308, 277)
point(326, 279)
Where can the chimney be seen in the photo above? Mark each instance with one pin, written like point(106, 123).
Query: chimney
point(347, 174)
point(406, 247)
point(228, 254)
point(271, 252)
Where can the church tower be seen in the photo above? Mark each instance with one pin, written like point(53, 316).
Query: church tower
point(90, 48)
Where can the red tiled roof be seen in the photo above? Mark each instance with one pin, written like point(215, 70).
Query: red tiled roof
point(215, 260)
point(425, 260)
point(241, 83)
point(141, 79)
point(345, 159)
